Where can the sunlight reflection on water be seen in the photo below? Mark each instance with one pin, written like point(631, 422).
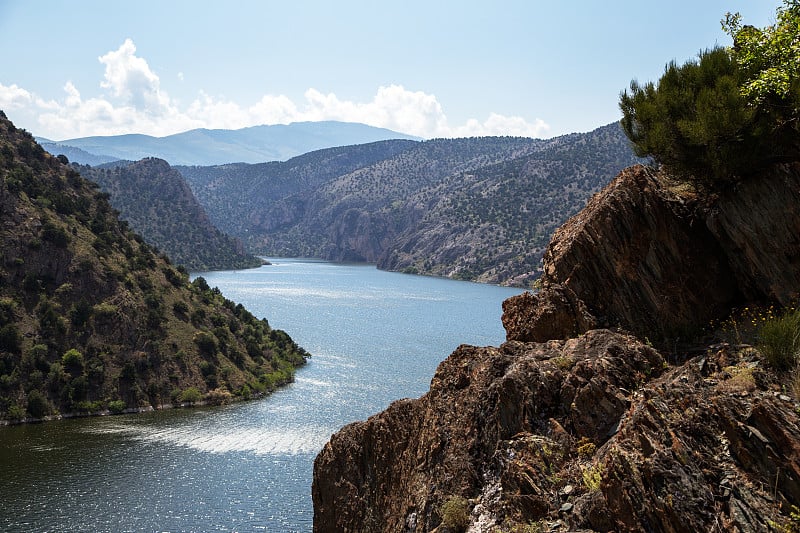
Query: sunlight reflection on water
point(375, 337)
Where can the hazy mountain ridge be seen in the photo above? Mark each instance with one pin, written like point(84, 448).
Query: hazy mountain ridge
point(75, 154)
point(159, 205)
point(214, 147)
point(92, 318)
point(237, 196)
point(469, 208)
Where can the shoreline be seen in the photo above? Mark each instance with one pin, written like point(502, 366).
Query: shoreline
point(130, 410)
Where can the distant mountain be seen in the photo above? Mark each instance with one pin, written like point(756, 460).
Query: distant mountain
point(256, 144)
point(238, 196)
point(492, 224)
point(155, 200)
point(92, 319)
point(75, 154)
point(478, 208)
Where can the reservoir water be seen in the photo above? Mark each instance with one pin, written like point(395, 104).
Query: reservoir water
point(375, 337)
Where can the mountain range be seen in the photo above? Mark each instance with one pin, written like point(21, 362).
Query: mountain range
point(478, 208)
point(472, 208)
point(213, 147)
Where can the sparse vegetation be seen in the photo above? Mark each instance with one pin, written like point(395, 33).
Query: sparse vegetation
point(455, 514)
point(779, 340)
point(592, 476)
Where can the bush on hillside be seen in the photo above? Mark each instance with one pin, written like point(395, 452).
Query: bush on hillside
point(727, 114)
point(779, 340)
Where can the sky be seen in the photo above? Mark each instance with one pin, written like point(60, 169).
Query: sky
point(432, 68)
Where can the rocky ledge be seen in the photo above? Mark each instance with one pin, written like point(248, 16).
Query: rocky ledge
point(575, 424)
point(652, 256)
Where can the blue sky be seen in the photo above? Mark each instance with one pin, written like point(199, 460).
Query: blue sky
point(428, 68)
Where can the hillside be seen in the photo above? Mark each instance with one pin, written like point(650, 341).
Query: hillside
point(91, 318)
point(237, 196)
point(492, 224)
point(215, 147)
point(478, 208)
point(155, 200)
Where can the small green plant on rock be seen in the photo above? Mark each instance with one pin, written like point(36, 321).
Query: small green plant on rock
point(586, 447)
point(779, 340)
point(592, 476)
point(791, 525)
point(741, 378)
point(455, 514)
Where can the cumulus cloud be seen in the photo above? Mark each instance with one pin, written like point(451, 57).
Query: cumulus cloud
point(130, 78)
point(136, 103)
point(12, 97)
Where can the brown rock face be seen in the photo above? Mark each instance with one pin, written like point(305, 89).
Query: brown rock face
point(394, 471)
point(596, 432)
point(653, 261)
point(593, 425)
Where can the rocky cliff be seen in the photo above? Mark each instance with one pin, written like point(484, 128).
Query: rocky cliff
point(652, 256)
point(570, 425)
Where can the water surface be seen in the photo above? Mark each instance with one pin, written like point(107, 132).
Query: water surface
point(375, 337)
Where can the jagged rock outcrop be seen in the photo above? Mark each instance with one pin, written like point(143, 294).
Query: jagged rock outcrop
point(588, 433)
point(649, 256)
point(567, 427)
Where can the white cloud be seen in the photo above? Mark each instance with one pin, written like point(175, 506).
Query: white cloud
point(14, 97)
point(130, 78)
point(137, 104)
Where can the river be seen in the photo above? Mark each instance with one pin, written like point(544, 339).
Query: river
point(374, 337)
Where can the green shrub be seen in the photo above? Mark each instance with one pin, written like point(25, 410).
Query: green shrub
point(10, 338)
point(245, 393)
point(116, 406)
point(55, 234)
point(455, 513)
point(38, 406)
point(8, 308)
point(779, 340)
point(191, 396)
point(15, 412)
point(692, 120)
point(728, 114)
point(180, 308)
point(72, 358)
point(86, 406)
point(206, 342)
